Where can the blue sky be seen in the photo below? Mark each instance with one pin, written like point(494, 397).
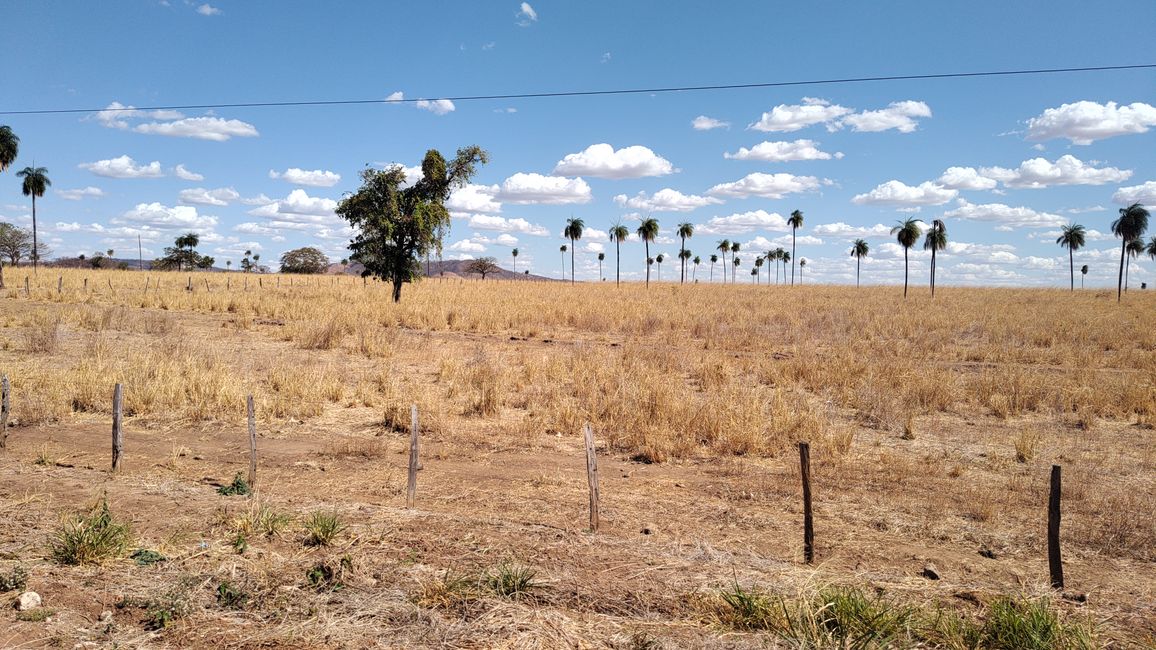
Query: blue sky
point(1004, 161)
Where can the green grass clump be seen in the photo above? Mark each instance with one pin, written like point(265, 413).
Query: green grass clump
point(146, 557)
point(90, 538)
point(231, 596)
point(1030, 625)
point(512, 581)
point(239, 487)
point(321, 528)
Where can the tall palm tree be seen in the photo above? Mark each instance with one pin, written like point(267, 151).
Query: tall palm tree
point(907, 232)
point(755, 273)
point(734, 251)
point(713, 261)
point(1131, 225)
point(795, 222)
point(660, 259)
point(563, 250)
point(859, 250)
point(694, 276)
point(802, 264)
point(648, 232)
point(35, 184)
point(573, 232)
point(514, 253)
point(618, 234)
point(785, 256)
point(724, 247)
point(780, 256)
point(1083, 272)
point(9, 147)
point(601, 256)
point(735, 260)
point(1072, 238)
point(685, 229)
point(936, 240)
point(1135, 249)
point(759, 269)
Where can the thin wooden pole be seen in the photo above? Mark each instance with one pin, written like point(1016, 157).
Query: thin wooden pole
point(86, 285)
point(59, 285)
point(411, 488)
point(592, 476)
point(808, 523)
point(117, 433)
point(27, 290)
point(252, 444)
point(1055, 565)
point(5, 409)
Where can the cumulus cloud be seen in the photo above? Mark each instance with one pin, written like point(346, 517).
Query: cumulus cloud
point(743, 222)
point(897, 193)
point(769, 186)
point(1084, 122)
point(395, 96)
point(187, 175)
point(435, 106)
point(665, 200)
point(201, 196)
point(842, 230)
point(783, 152)
point(593, 247)
point(156, 215)
point(470, 198)
point(1039, 173)
point(123, 167)
point(89, 192)
point(312, 178)
point(1004, 215)
point(900, 116)
point(117, 115)
point(704, 123)
point(526, 15)
point(208, 10)
point(467, 246)
point(298, 207)
point(501, 224)
point(215, 129)
point(965, 178)
point(786, 118)
point(602, 161)
point(522, 188)
point(1144, 193)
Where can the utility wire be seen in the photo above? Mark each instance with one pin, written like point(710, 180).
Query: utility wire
point(595, 93)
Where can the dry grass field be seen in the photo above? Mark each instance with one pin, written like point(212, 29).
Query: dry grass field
point(933, 426)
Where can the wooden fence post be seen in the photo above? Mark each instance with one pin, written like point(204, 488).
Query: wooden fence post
point(808, 523)
point(86, 285)
point(5, 408)
point(117, 433)
point(592, 476)
point(59, 285)
point(189, 286)
point(411, 488)
point(252, 445)
point(1055, 565)
point(27, 289)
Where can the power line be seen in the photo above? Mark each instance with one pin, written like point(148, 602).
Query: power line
point(596, 93)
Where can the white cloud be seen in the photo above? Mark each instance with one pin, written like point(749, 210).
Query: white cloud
point(260, 199)
point(204, 128)
point(201, 196)
point(770, 186)
point(526, 15)
point(898, 115)
point(1004, 215)
point(208, 10)
point(785, 118)
point(783, 152)
point(965, 178)
point(435, 106)
point(469, 198)
point(743, 222)
point(184, 174)
point(897, 193)
point(298, 207)
point(312, 178)
point(593, 247)
point(704, 123)
point(501, 224)
point(522, 188)
point(467, 246)
point(123, 167)
point(1144, 193)
point(81, 193)
point(1085, 122)
point(395, 96)
point(1039, 173)
point(665, 200)
point(605, 57)
point(117, 115)
point(842, 230)
point(180, 217)
point(602, 161)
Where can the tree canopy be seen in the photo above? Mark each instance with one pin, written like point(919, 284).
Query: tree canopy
point(483, 266)
point(397, 224)
point(304, 260)
point(183, 255)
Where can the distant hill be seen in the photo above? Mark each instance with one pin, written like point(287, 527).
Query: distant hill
point(445, 268)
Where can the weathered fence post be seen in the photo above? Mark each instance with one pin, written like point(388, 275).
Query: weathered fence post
point(147, 285)
point(189, 286)
point(207, 289)
point(86, 285)
point(808, 523)
point(59, 285)
point(592, 476)
point(252, 445)
point(5, 408)
point(1055, 565)
point(27, 289)
point(117, 433)
point(411, 488)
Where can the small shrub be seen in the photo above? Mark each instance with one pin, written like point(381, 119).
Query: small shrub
point(38, 615)
point(451, 591)
point(43, 337)
point(322, 528)
point(1030, 625)
point(145, 557)
point(91, 538)
point(1025, 445)
point(231, 596)
point(513, 581)
point(239, 487)
point(323, 577)
point(749, 610)
point(261, 520)
point(14, 580)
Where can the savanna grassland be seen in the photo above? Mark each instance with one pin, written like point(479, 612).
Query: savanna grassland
point(932, 425)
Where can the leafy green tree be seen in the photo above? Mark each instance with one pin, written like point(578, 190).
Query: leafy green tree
point(573, 232)
point(9, 147)
point(483, 266)
point(859, 250)
point(398, 224)
point(618, 234)
point(1131, 225)
point(685, 230)
point(14, 244)
point(183, 255)
point(795, 222)
point(724, 247)
point(907, 232)
point(514, 254)
point(35, 184)
point(734, 251)
point(936, 240)
point(601, 256)
point(1072, 238)
point(648, 232)
point(308, 260)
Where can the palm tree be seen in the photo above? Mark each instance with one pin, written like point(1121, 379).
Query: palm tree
point(936, 240)
point(573, 232)
point(786, 257)
point(724, 247)
point(685, 230)
point(859, 250)
point(694, 276)
point(1072, 238)
point(1083, 272)
point(514, 253)
point(780, 256)
point(228, 265)
point(758, 269)
point(1135, 249)
point(755, 273)
point(735, 261)
point(659, 260)
point(35, 184)
point(713, 261)
point(601, 256)
point(734, 251)
point(9, 147)
point(618, 234)
point(795, 222)
point(648, 232)
point(563, 250)
point(802, 264)
point(1131, 225)
point(907, 232)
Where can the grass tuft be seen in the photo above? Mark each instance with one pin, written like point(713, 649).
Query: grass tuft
point(90, 538)
point(321, 528)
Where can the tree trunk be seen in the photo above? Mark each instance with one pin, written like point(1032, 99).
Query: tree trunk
point(571, 261)
point(857, 260)
point(397, 289)
point(1120, 280)
point(793, 258)
point(932, 271)
point(35, 245)
point(905, 273)
point(617, 262)
point(647, 242)
point(712, 271)
point(1072, 268)
point(683, 260)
